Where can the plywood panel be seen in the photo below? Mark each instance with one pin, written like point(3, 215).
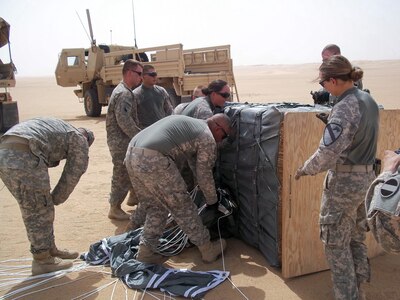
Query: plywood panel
point(302, 250)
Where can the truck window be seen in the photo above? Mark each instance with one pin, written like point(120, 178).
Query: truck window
point(72, 61)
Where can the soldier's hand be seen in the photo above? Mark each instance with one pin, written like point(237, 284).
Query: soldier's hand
point(391, 161)
point(299, 173)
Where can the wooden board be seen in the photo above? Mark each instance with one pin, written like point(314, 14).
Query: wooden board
point(302, 250)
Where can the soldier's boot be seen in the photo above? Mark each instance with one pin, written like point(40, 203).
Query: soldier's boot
point(63, 254)
point(45, 263)
point(117, 213)
point(146, 255)
point(132, 200)
point(210, 251)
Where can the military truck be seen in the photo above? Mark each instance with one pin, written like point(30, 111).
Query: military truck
point(98, 69)
point(8, 108)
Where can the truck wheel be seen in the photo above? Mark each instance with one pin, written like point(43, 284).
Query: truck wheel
point(91, 103)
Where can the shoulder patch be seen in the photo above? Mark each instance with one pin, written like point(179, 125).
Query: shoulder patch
point(331, 133)
point(389, 188)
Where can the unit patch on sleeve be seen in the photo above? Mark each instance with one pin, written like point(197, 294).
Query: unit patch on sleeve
point(389, 188)
point(331, 133)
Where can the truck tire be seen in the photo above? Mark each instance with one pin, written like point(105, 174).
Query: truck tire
point(91, 103)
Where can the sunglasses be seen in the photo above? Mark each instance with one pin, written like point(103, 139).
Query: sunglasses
point(152, 74)
point(139, 73)
point(224, 95)
point(322, 82)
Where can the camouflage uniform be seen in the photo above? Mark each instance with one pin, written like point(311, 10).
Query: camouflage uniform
point(199, 108)
point(153, 104)
point(383, 210)
point(347, 150)
point(151, 163)
point(27, 150)
point(179, 108)
point(122, 126)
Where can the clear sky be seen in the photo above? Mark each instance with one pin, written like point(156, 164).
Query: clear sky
point(259, 31)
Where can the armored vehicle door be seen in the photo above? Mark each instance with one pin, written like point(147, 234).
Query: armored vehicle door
point(71, 67)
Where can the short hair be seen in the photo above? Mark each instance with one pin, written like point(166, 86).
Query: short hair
point(198, 89)
point(131, 64)
point(214, 86)
point(334, 49)
point(338, 66)
point(147, 67)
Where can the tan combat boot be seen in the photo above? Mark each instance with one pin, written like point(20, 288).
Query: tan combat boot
point(117, 213)
point(45, 263)
point(211, 250)
point(64, 254)
point(146, 255)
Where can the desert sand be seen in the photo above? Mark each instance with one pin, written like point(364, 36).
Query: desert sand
point(82, 220)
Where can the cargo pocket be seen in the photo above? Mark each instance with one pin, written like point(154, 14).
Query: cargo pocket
point(330, 181)
point(329, 225)
point(43, 198)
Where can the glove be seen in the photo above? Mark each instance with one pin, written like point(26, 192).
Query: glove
point(323, 117)
point(209, 214)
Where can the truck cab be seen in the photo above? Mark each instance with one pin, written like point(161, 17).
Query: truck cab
point(96, 71)
point(8, 108)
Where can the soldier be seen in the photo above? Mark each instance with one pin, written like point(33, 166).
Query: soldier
point(323, 96)
point(197, 92)
point(122, 125)
point(383, 204)
point(154, 102)
point(216, 94)
point(151, 162)
point(347, 150)
point(27, 150)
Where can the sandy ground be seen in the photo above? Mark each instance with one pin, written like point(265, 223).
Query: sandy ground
point(82, 220)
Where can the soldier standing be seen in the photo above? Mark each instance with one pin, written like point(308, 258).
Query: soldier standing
point(122, 125)
point(323, 96)
point(154, 102)
point(347, 150)
point(27, 150)
point(151, 162)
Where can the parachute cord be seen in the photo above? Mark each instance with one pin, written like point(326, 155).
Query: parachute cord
point(223, 256)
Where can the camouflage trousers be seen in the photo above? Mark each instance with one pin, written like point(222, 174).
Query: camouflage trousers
point(161, 190)
point(27, 179)
point(120, 182)
point(343, 226)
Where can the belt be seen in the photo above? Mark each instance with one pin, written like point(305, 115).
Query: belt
point(145, 151)
point(354, 168)
point(15, 143)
